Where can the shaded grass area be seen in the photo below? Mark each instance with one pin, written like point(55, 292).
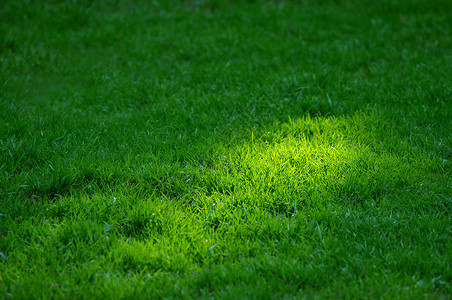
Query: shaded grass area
point(225, 149)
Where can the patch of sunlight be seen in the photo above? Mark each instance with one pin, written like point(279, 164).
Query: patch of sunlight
point(308, 162)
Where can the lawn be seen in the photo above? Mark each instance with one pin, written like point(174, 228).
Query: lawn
point(226, 149)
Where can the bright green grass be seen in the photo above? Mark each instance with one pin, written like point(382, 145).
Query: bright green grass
point(275, 149)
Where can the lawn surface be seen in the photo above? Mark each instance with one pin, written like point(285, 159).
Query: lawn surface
point(226, 149)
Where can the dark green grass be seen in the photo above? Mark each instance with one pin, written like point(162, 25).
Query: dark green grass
point(249, 149)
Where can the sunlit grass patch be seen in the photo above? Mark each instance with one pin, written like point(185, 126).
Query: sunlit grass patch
point(315, 158)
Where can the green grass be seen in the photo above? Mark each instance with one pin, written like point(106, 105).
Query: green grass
point(226, 149)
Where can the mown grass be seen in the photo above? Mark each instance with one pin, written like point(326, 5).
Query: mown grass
point(249, 149)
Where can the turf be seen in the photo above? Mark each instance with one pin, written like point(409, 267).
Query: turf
point(225, 149)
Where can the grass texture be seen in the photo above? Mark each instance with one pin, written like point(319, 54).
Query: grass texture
point(225, 149)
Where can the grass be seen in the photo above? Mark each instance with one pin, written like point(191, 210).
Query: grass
point(226, 149)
